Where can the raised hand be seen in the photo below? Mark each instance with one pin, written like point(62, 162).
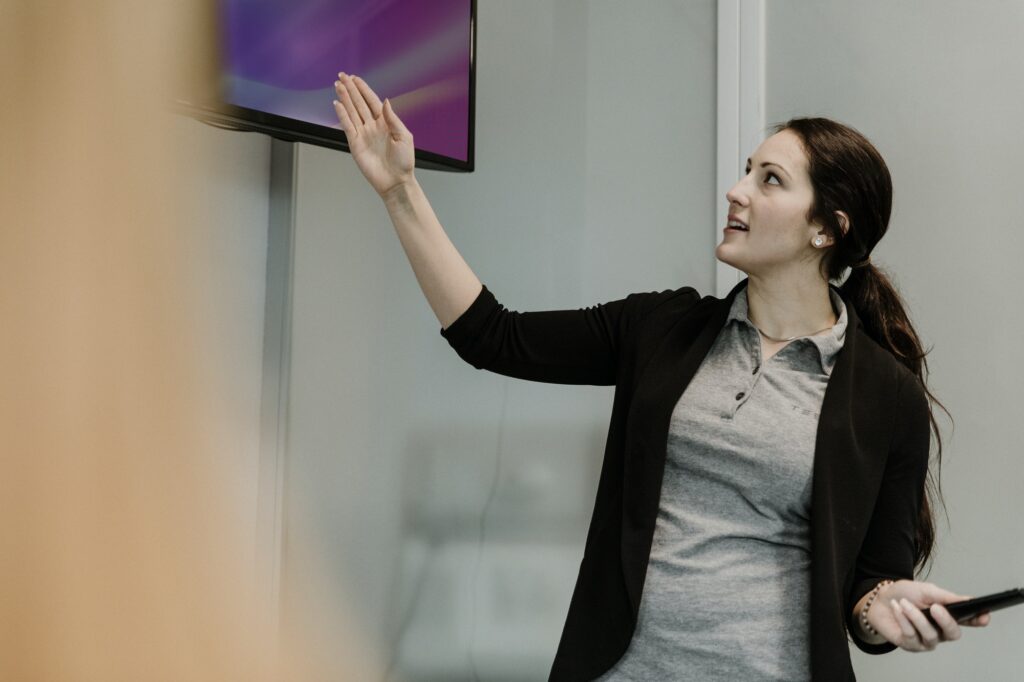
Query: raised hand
point(379, 142)
point(897, 615)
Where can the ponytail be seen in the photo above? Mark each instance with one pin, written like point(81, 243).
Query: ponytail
point(885, 319)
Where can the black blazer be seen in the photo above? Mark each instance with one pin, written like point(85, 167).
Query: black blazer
point(870, 458)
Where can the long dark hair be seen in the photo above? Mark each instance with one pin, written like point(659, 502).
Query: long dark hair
point(848, 174)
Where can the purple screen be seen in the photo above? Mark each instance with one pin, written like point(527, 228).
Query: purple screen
point(283, 56)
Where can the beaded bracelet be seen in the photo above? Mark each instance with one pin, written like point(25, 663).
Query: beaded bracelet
point(867, 605)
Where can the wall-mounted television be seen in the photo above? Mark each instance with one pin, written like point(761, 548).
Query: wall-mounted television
point(278, 60)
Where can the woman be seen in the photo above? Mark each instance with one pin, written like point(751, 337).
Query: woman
point(703, 560)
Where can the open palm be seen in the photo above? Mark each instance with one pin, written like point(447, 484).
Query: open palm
point(379, 142)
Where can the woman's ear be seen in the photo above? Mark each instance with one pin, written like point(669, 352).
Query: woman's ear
point(844, 221)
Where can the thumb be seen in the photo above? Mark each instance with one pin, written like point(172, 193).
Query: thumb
point(938, 594)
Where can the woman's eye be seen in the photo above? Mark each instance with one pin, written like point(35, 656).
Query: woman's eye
point(769, 174)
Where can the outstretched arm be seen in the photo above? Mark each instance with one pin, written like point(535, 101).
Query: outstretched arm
point(558, 346)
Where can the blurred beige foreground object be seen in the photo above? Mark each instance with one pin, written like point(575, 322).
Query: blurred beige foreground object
point(121, 550)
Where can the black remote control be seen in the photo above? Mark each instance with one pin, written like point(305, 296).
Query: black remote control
point(968, 608)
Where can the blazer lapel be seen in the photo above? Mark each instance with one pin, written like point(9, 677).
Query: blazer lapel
point(851, 448)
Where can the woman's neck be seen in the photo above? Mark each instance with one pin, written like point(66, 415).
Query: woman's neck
point(784, 310)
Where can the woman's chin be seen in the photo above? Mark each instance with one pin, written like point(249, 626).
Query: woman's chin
point(723, 255)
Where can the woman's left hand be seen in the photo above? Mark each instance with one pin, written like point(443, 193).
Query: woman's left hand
point(896, 614)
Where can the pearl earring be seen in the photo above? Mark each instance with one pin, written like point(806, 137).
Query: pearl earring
point(817, 241)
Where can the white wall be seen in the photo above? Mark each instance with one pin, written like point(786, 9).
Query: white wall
point(936, 87)
point(595, 177)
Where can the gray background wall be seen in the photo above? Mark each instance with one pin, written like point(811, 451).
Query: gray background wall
point(450, 505)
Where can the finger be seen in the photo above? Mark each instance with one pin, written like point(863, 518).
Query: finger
point(372, 101)
point(934, 593)
point(926, 632)
point(346, 122)
point(357, 98)
point(909, 632)
point(981, 620)
point(392, 117)
point(355, 122)
point(950, 629)
point(978, 621)
point(345, 95)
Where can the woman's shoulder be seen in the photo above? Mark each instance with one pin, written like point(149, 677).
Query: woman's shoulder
point(666, 301)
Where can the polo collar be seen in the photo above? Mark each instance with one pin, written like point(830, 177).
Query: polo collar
point(828, 345)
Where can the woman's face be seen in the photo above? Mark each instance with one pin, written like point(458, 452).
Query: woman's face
point(773, 201)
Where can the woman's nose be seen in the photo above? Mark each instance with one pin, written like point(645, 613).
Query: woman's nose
point(732, 196)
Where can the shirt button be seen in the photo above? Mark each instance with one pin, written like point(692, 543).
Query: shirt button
point(739, 395)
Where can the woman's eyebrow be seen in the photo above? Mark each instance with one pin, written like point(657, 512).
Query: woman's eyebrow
point(771, 163)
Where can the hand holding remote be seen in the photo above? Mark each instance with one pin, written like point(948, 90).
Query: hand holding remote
point(899, 615)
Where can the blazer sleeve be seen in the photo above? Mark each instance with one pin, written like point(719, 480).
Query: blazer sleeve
point(579, 346)
point(890, 543)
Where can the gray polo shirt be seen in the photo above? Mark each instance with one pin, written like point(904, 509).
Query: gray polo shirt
point(727, 591)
